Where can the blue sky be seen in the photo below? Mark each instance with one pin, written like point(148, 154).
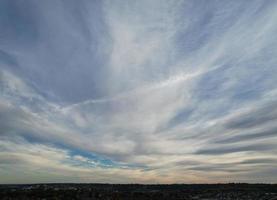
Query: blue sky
point(138, 91)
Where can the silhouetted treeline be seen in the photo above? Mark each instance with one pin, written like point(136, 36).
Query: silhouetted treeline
point(140, 192)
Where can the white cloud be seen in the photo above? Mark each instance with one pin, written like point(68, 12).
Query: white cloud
point(175, 84)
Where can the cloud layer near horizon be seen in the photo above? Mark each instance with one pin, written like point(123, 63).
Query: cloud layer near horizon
point(148, 91)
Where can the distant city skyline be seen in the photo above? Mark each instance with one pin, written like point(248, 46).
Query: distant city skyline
point(151, 91)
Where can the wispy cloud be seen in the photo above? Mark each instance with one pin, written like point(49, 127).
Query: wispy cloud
point(158, 91)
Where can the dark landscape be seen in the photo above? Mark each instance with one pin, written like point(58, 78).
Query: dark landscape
point(140, 192)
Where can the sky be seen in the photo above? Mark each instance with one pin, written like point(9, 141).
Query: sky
point(160, 91)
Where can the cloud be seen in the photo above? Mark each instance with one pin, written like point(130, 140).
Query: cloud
point(137, 92)
point(224, 150)
point(257, 117)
